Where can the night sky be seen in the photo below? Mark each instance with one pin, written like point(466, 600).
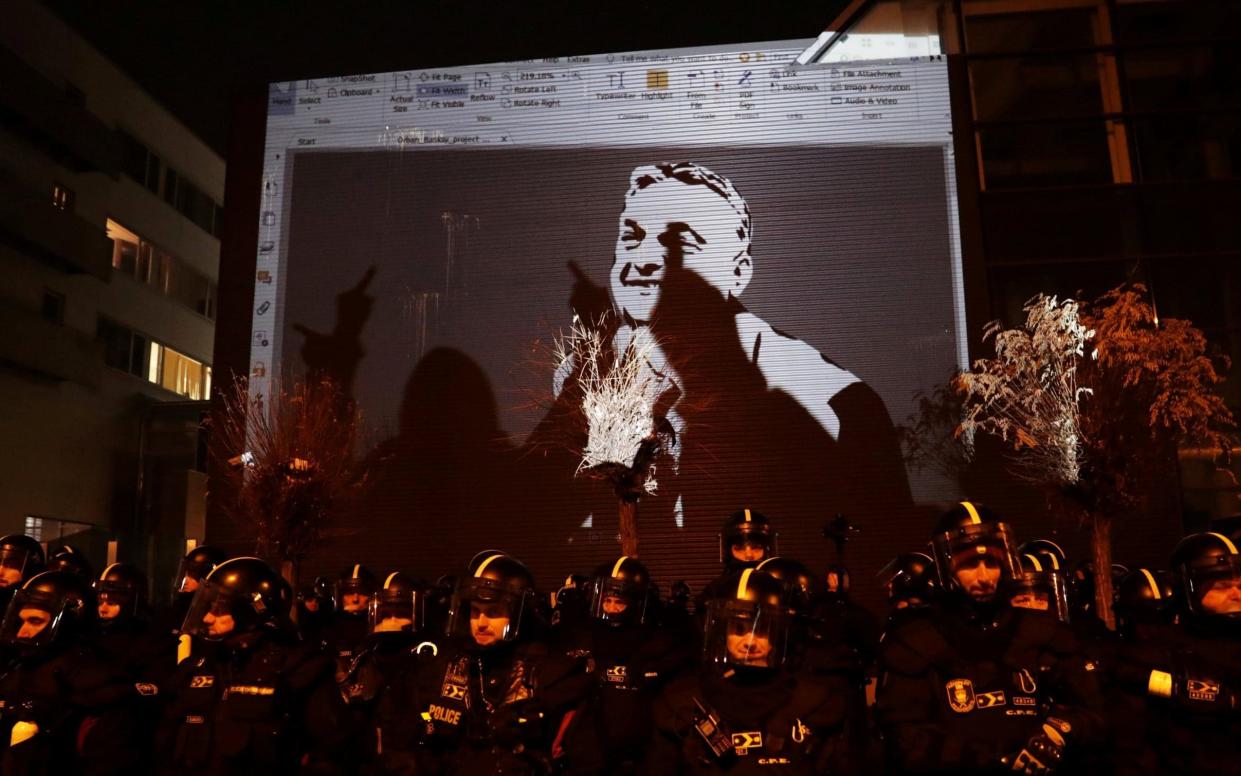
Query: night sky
point(192, 56)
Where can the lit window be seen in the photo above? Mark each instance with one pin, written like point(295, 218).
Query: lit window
point(181, 374)
point(34, 528)
point(153, 362)
point(124, 248)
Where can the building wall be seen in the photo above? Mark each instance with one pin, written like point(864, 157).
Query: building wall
point(70, 424)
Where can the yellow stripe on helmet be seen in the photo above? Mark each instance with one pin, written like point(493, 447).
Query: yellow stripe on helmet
point(1150, 580)
point(747, 515)
point(483, 566)
point(973, 512)
point(743, 583)
point(356, 568)
point(1037, 566)
point(1232, 548)
point(765, 562)
point(388, 581)
point(104, 575)
point(617, 567)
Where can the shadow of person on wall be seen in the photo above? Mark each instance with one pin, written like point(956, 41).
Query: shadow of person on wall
point(452, 482)
point(745, 444)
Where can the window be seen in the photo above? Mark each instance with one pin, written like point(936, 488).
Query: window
point(63, 197)
point(123, 349)
point(160, 270)
point(53, 308)
point(154, 362)
point(178, 372)
point(46, 530)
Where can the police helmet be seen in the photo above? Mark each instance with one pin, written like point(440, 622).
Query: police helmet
point(493, 603)
point(747, 528)
point(21, 557)
point(51, 608)
point(239, 596)
point(803, 589)
point(910, 580)
point(121, 585)
point(355, 579)
point(66, 557)
point(195, 567)
point(1037, 586)
point(398, 605)
point(1145, 597)
point(621, 592)
point(748, 626)
point(1209, 569)
point(966, 536)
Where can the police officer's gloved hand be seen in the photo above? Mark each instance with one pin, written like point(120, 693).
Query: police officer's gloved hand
point(1042, 752)
point(513, 723)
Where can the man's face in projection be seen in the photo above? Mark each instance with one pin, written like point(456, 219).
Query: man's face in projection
point(671, 216)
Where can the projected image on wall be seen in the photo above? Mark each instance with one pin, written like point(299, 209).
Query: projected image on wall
point(796, 271)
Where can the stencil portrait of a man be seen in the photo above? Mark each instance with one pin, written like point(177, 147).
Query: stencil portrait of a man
point(730, 381)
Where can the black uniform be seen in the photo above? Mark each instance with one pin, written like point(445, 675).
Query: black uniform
point(498, 710)
point(630, 661)
point(959, 691)
point(63, 706)
point(974, 685)
point(251, 699)
point(744, 711)
point(774, 722)
point(256, 706)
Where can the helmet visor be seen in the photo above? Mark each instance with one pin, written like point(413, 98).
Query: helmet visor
point(217, 613)
point(616, 601)
point(743, 633)
point(15, 566)
point(117, 600)
point(1040, 590)
point(485, 612)
point(1215, 589)
point(397, 611)
point(191, 575)
point(967, 557)
point(353, 594)
point(32, 619)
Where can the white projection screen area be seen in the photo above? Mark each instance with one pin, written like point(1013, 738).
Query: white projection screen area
point(787, 236)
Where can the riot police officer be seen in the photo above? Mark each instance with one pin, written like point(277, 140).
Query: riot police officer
point(62, 706)
point(70, 558)
point(1146, 605)
point(1195, 686)
point(746, 539)
point(909, 581)
point(973, 685)
point(347, 629)
point(254, 700)
point(21, 557)
point(124, 635)
point(631, 659)
point(382, 676)
point(1038, 586)
point(194, 568)
point(493, 698)
point(314, 608)
point(743, 712)
point(124, 631)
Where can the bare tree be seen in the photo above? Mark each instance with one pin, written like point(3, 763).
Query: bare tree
point(1099, 428)
point(290, 465)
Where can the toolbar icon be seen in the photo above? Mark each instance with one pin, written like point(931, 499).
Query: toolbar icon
point(263, 276)
point(656, 79)
point(401, 82)
point(482, 80)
